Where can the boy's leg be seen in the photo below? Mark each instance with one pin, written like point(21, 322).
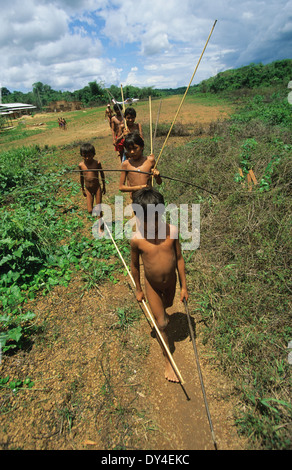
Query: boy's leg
point(98, 200)
point(158, 309)
point(157, 306)
point(169, 292)
point(89, 201)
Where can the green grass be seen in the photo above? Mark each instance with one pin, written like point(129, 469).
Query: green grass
point(41, 239)
point(10, 135)
point(240, 277)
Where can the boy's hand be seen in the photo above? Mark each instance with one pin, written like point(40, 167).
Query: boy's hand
point(140, 296)
point(184, 295)
point(155, 172)
point(84, 192)
point(103, 190)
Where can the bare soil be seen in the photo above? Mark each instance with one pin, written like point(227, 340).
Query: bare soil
point(92, 379)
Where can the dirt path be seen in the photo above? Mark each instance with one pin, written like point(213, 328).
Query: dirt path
point(87, 382)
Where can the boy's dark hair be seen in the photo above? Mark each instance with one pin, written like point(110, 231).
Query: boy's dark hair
point(146, 196)
point(133, 139)
point(117, 108)
point(131, 112)
point(86, 149)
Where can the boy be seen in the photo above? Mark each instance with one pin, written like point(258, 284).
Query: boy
point(161, 256)
point(130, 116)
point(134, 146)
point(91, 178)
point(117, 125)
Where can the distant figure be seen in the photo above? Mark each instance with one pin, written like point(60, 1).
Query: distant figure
point(158, 244)
point(109, 114)
point(62, 123)
point(134, 146)
point(90, 179)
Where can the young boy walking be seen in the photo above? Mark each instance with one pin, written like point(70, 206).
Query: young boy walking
point(117, 126)
point(134, 146)
point(89, 180)
point(159, 247)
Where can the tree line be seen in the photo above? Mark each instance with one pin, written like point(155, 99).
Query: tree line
point(250, 76)
point(95, 94)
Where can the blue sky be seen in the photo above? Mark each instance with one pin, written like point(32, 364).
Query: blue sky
point(68, 43)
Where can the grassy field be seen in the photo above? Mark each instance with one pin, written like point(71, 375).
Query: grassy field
point(239, 277)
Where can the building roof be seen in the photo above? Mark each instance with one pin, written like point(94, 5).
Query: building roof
point(15, 106)
point(9, 108)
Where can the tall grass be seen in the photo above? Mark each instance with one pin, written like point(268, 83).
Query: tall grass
point(41, 239)
point(240, 276)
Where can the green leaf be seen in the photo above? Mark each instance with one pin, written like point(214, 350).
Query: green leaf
point(15, 333)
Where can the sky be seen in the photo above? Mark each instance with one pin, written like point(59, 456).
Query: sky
point(68, 43)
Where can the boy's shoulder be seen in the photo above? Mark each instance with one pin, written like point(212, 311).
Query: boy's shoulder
point(95, 163)
point(172, 230)
point(136, 239)
point(125, 164)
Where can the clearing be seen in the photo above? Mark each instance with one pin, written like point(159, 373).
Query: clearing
point(97, 385)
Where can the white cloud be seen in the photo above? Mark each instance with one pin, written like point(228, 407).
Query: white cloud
point(67, 43)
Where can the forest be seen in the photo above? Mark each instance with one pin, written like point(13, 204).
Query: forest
point(95, 94)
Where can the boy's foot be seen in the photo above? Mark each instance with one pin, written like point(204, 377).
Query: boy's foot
point(170, 375)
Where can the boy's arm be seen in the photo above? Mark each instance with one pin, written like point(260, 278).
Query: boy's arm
point(135, 269)
point(140, 131)
point(155, 172)
point(113, 130)
point(120, 133)
point(180, 264)
point(102, 177)
point(123, 178)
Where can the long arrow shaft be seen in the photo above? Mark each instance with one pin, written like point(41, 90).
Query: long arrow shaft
point(200, 373)
point(146, 173)
point(185, 94)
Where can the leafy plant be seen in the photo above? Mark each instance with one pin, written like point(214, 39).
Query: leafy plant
point(266, 180)
point(16, 384)
point(245, 162)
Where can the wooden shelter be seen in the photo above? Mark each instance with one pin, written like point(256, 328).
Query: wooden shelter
point(63, 105)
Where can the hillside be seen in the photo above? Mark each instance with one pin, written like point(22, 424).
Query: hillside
point(253, 76)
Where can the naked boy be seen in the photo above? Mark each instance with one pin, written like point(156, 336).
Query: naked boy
point(134, 146)
point(162, 258)
point(89, 180)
